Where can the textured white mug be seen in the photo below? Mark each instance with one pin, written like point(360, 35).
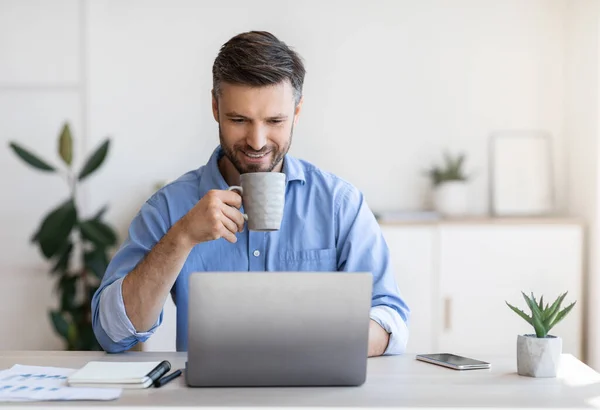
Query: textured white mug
point(263, 196)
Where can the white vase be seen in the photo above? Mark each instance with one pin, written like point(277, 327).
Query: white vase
point(450, 199)
point(537, 356)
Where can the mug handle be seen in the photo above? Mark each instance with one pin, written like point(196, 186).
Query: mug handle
point(240, 191)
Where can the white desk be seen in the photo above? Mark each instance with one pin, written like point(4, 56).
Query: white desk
point(392, 382)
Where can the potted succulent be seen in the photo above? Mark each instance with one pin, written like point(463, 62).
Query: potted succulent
point(538, 355)
point(450, 186)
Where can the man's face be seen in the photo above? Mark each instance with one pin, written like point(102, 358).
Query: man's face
point(256, 124)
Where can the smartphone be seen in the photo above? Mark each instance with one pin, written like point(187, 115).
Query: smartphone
point(453, 361)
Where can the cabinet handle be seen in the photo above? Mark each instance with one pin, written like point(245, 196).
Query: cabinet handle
point(447, 314)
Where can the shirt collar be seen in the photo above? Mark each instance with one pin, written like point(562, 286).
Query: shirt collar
point(292, 168)
point(214, 174)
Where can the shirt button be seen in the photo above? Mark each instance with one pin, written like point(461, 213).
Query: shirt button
point(256, 253)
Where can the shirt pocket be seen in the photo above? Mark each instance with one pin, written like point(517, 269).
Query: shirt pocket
point(317, 260)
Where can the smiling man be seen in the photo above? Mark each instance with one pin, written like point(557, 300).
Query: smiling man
point(194, 224)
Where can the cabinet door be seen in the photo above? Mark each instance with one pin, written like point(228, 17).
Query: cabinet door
point(483, 266)
point(412, 257)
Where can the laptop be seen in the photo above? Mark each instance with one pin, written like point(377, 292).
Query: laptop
point(278, 328)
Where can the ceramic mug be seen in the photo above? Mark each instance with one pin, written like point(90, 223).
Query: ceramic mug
point(263, 197)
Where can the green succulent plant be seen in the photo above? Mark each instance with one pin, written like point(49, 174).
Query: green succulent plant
point(543, 318)
point(63, 234)
point(451, 170)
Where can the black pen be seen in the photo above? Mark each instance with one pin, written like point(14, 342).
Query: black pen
point(160, 370)
point(167, 378)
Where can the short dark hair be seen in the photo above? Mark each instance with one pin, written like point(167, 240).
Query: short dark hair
point(258, 58)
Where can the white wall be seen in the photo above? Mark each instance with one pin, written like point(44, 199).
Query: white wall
point(39, 79)
point(581, 131)
point(389, 85)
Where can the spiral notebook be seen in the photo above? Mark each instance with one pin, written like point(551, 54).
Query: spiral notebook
point(126, 375)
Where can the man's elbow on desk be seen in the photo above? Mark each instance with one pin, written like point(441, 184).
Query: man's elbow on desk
point(109, 345)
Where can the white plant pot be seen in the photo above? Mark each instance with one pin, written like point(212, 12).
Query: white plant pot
point(538, 357)
point(450, 198)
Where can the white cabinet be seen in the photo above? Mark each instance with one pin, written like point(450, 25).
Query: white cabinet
point(457, 276)
point(482, 266)
point(412, 254)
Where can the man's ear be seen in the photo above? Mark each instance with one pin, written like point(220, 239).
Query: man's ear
point(298, 110)
point(215, 105)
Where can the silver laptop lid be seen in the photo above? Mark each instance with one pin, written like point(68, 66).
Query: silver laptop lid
point(278, 328)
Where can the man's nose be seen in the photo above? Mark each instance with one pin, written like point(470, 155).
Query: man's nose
point(257, 138)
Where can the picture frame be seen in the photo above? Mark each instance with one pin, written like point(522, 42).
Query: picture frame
point(521, 174)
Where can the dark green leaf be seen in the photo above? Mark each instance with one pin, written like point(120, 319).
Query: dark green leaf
point(98, 232)
point(30, 158)
point(95, 160)
point(72, 334)
point(77, 313)
point(520, 313)
point(101, 213)
point(65, 145)
point(541, 304)
point(88, 338)
point(60, 324)
point(96, 261)
point(91, 291)
point(56, 227)
point(64, 257)
point(67, 286)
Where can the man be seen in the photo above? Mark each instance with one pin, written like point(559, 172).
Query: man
point(194, 224)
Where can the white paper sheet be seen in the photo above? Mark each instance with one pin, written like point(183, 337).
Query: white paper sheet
point(39, 383)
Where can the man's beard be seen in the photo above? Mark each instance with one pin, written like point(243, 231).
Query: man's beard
point(230, 153)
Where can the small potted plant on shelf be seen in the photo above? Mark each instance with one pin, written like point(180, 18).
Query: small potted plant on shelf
point(538, 355)
point(449, 183)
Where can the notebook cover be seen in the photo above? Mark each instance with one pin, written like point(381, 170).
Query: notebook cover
point(116, 373)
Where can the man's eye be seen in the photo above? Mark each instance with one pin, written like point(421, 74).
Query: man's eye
point(275, 121)
point(237, 120)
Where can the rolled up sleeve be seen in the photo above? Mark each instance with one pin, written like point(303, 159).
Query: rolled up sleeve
point(361, 247)
point(112, 327)
point(391, 322)
point(113, 318)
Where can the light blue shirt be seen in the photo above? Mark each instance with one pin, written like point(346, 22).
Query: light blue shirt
point(326, 226)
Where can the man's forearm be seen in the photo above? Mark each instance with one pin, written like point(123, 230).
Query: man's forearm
point(378, 339)
point(146, 288)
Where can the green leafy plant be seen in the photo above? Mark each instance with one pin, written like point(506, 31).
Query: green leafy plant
point(77, 248)
point(543, 318)
point(451, 170)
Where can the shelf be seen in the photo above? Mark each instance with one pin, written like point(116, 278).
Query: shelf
point(486, 220)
